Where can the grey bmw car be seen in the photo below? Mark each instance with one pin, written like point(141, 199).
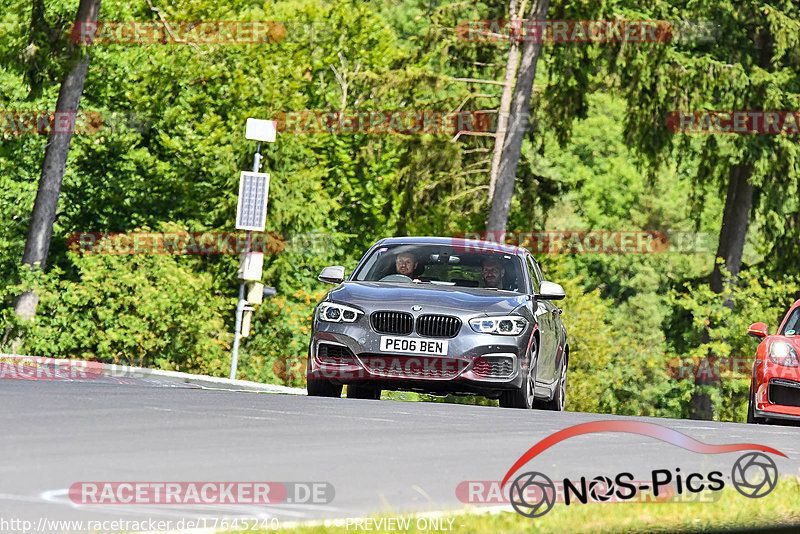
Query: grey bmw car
point(442, 316)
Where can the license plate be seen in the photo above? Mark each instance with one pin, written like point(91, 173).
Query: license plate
point(410, 345)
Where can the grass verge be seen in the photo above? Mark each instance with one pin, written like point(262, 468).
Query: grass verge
point(729, 510)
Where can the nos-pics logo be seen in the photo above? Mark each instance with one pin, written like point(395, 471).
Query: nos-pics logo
point(533, 494)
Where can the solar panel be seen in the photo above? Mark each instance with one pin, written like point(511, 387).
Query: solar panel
point(251, 211)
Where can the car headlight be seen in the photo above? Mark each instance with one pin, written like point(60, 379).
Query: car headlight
point(782, 353)
point(507, 325)
point(337, 313)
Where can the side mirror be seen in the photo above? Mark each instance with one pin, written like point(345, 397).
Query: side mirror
point(757, 330)
point(550, 291)
point(332, 275)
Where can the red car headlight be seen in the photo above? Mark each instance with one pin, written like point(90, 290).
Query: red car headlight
point(782, 353)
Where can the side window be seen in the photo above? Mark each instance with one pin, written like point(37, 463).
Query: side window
point(532, 270)
point(792, 327)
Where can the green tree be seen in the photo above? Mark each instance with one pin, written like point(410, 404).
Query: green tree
point(752, 64)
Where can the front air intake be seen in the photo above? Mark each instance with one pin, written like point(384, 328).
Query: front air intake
point(392, 322)
point(438, 326)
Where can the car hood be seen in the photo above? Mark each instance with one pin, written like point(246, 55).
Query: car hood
point(433, 298)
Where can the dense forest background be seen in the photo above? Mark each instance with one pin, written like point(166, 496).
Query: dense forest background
point(592, 159)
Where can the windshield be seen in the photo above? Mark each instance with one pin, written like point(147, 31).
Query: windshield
point(792, 324)
point(442, 265)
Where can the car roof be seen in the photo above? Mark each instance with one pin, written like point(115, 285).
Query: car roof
point(455, 241)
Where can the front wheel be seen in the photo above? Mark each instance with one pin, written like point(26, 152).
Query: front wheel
point(523, 396)
point(560, 396)
point(319, 387)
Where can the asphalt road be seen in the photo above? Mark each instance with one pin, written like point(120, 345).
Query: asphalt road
point(379, 456)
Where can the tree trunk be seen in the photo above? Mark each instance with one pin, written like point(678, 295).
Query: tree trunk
point(517, 125)
point(40, 230)
point(735, 220)
point(505, 103)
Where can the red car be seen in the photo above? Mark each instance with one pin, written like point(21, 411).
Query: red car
point(775, 388)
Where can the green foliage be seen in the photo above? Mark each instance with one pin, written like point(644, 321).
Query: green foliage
point(277, 353)
point(598, 157)
point(410, 396)
point(611, 369)
point(751, 62)
point(724, 318)
point(144, 310)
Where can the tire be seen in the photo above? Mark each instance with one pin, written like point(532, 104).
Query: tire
point(522, 397)
point(363, 392)
point(751, 408)
point(751, 417)
point(319, 387)
point(556, 404)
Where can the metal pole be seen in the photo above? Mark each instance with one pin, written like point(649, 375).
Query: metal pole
point(240, 306)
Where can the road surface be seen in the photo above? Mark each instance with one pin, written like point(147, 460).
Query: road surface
point(379, 456)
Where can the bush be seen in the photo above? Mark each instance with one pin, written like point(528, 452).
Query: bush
point(610, 371)
point(277, 351)
point(145, 310)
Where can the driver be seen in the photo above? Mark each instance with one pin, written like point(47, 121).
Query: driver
point(493, 273)
point(406, 264)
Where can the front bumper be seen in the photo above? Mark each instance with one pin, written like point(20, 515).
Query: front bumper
point(474, 364)
point(777, 393)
